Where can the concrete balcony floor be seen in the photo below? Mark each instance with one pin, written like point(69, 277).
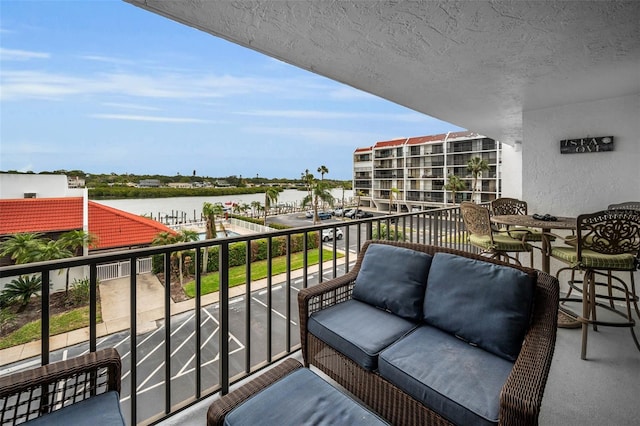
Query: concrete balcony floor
point(602, 390)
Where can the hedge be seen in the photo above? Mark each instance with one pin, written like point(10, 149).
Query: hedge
point(238, 251)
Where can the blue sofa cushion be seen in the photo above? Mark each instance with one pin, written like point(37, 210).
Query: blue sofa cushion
point(103, 409)
point(485, 304)
point(301, 398)
point(358, 330)
point(393, 278)
point(459, 381)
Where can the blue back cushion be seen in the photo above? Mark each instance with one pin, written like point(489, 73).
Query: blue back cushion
point(485, 304)
point(393, 278)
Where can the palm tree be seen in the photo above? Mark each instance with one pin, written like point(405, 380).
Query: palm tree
point(21, 248)
point(307, 179)
point(319, 192)
point(255, 207)
point(185, 236)
point(270, 196)
point(344, 186)
point(166, 238)
point(33, 247)
point(359, 194)
point(322, 170)
point(210, 211)
point(72, 242)
point(454, 185)
point(393, 195)
point(76, 240)
point(476, 166)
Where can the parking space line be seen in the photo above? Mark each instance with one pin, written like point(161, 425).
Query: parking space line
point(273, 310)
point(263, 292)
point(188, 338)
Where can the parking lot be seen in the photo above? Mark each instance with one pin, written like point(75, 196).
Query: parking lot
point(150, 347)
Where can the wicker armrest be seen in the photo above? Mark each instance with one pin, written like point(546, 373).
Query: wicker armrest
point(319, 297)
point(29, 394)
point(521, 396)
point(221, 407)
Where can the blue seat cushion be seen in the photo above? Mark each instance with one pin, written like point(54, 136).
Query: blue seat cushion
point(393, 278)
point(103, 409)
point(301, 398)
point(486, 304)
point(459, 381)
point(358, 330)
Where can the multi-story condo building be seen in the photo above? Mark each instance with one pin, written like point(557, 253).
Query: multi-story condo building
point(413, 171)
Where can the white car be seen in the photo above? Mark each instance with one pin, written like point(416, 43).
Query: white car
point(327, 234)
point(309, 214)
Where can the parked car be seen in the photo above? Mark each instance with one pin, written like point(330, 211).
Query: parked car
point(338, 212)
point(324, 215)
point(327, 234)
point(309, 214)
point(363, 214)
point(351, 213)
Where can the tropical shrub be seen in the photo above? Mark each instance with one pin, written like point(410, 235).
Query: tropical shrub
point(383, 232)
point(79, 292)
point(22, 289)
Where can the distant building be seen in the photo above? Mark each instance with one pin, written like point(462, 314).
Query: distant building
point(75, 182)
point(418, 168)
point(149, 183)
point(180, 185)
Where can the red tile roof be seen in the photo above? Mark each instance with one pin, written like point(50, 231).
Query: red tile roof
point(394, 142)
point(113, 228)
point(425, 139)
point(116, 228)
point(364, 149)
point(40, 215)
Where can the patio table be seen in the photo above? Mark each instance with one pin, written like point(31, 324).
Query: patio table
point(545, 225)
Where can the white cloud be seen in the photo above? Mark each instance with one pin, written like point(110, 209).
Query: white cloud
point(333, 115)
point(107, 59)
point(21, 55)
point(148, 118)
point(130, 106)
point(24, 84)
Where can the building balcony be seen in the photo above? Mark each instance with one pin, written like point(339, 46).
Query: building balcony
point(179, 356)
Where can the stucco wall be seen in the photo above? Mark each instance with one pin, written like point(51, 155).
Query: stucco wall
point(44, 186)
point(570, 184)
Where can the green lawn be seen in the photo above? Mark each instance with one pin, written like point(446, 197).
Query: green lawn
point(61, 323)
point(237, 274)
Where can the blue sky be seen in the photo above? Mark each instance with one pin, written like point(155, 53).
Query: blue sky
point(103, 86)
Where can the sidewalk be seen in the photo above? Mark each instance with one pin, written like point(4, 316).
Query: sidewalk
point(115, 297)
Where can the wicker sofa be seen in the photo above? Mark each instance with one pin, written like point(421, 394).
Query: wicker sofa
point(430, 335)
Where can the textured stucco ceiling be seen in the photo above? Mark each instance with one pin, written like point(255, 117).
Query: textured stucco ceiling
point(477, 64)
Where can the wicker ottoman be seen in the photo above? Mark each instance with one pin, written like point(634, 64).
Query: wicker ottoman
point(289, 395)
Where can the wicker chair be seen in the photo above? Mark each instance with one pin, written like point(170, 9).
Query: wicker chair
point(36, 393)
point(497, 243)
point(521, 396)
point(607, 241)
point(512, 206)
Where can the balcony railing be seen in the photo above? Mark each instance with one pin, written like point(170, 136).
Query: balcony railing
point(221, 340)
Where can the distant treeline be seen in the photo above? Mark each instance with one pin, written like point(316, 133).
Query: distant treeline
point(117, 192)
